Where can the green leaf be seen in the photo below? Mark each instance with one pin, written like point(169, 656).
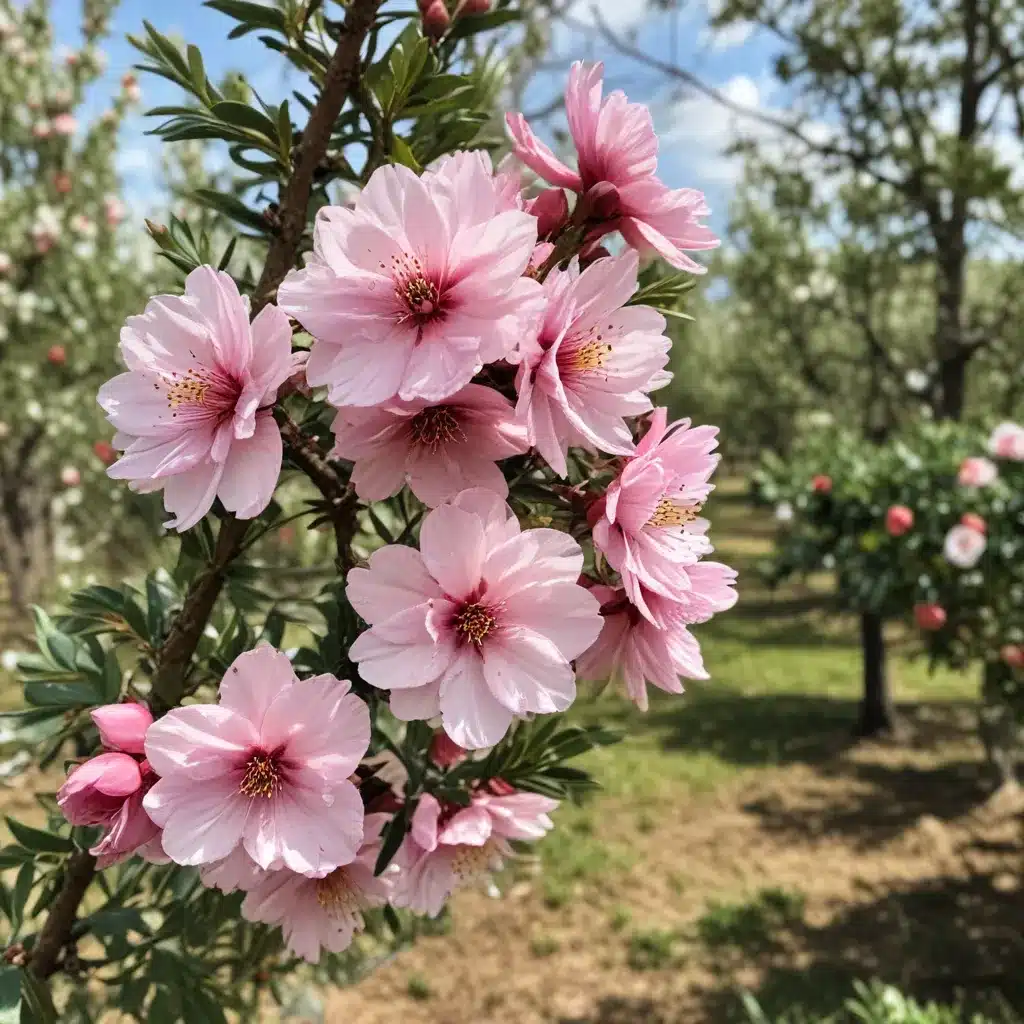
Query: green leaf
point(471, 24)
point(252, 16)
point(394, 833)
point(111, 677)
point(36, 1000)
point(401, 153)
point(10, 994)
point(62, 695)
point(38, 841)
point(117, 921)
point(243, 116)
point(198, 72)
point(20, 894)
point(284, 131)
point(233, 207)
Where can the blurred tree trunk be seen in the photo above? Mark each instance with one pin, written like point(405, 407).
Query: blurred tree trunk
point(999, 727)
point(876, 711)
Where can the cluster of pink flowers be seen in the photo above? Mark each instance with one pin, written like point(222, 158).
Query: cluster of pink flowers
point(448, 342)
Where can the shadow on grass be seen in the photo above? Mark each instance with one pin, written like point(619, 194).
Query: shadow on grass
point(623, 1010)
point(948, 939)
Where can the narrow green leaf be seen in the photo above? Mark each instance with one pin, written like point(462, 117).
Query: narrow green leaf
point(20, 894)
point(37, 840)
point(62, 695)
point(10, 994)
point(243, 116)
point(198, 72)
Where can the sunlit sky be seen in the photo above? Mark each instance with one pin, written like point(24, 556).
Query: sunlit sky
point(693, 131)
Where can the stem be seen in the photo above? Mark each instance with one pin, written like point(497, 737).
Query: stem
point(174, 655)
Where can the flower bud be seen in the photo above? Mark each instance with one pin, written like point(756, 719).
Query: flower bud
point(821, 484)
point(62, 182)
point(65, 124)
point(123, 726)
point(551, 208)
point(601, 202)
point(444, 751)
point(56, 356)
point(1012, 655)
point(436, 20)
point(899, 520)
point(929, 617)
point(95, 791)
point(70, 477)
point(476, 6)
point(105, 452)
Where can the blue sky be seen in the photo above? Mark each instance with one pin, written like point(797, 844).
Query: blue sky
point(693, 131)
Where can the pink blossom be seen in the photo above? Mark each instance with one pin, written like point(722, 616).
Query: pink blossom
point(267, 768)
point(929, 617)
point(635, 651)
point(5, 263)
point(551, 208)
point(436, 20)
point(439, 448)
point(595, 362)
point(113, 209)
point(449, 846)
point(647, 524)
point(899, 520)
point(65, 124)
point(109, 789)
point(1012, 655)
point(974, 521)
point(56, 355)
point(123, 726)
point(414, 289)
point(977, 471)
point(1007, 442)
point(480, 625)
point(444, 752)
point(42, 129)
point(617, 153)
point(193, 412)
point(821, 483)
point(322, 914)
point(70, 476)
point(964, 546)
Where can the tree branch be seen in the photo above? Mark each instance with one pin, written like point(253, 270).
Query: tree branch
point(175, 653)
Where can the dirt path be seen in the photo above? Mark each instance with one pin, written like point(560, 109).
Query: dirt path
point(883, 860)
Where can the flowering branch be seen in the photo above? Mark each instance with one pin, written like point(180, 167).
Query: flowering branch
point(176, 652)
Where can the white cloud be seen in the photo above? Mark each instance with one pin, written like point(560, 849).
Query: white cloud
point(728, 37)
point(617, 14)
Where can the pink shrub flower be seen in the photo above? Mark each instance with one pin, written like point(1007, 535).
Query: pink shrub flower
point(322, 914)
point(113, 210)
point(595, 362)
point(65, 124)
point(899, 520)
point(70, 476)
point(438, 449)
point(647, 524)
point(480, 625)
point(617, 155)
point(634, 651)
point(1012, 655)
point(414, 289)
point(1007, 442)
point(109, 789)
point(267, 768)
point(193, 411)
point(964, 546)
point(974, 522)
point(821, 484)
point(977, 471)
point(450, 846)
point(929, 617)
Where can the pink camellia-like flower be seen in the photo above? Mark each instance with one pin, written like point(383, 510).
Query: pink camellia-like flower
point(56, 355)
point(977, 471)
point(647, 524)
point(973, 521)
point(964, 546)
point(104, 452)
point(322, 914)
point(617, 154)
point(449, 845)
point(411, 291)
point(634, 651)
point(70, 476)
point(109, 789)
point(595, 362)
point(1012, 655)
point(267, 768)
point(438, 449)
point(193, 412)
point(1007, 442)
point(65, 124)
point(113, 210)
point(480, 625)
point(929, 617)
point(821, 483)
point(899, 520)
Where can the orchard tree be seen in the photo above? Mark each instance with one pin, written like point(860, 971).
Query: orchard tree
point(457, 376)
point(68, 275)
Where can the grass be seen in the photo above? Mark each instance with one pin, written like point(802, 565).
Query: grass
point(750, 926)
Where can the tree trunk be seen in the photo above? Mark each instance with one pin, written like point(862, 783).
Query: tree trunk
point(999, 728)
point(876, 712)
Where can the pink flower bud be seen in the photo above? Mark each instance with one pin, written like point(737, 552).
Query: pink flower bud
point(1012, 655)
point(601, 201)
point(973, 522)
point(114, 210)
point(95, 791)
point(977, 472)
point(65, 124)
point(105, 452)
point(436, 20)
point(123, 726)
point(551, 208)
point(929, 617)
point(821, 484)
point(898, 520)
point(56, 355)
point(476, 6)
point(444, 751)
point(70, 477)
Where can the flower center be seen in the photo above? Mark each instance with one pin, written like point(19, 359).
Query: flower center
point(262, 776)
point(436, 426)
point(590, 356)
point(674, 513)
point(415, 291)
point(474, 622)
point(336, 894)
point(199, 391)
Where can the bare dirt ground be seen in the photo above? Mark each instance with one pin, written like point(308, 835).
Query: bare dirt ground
point(881, 860)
